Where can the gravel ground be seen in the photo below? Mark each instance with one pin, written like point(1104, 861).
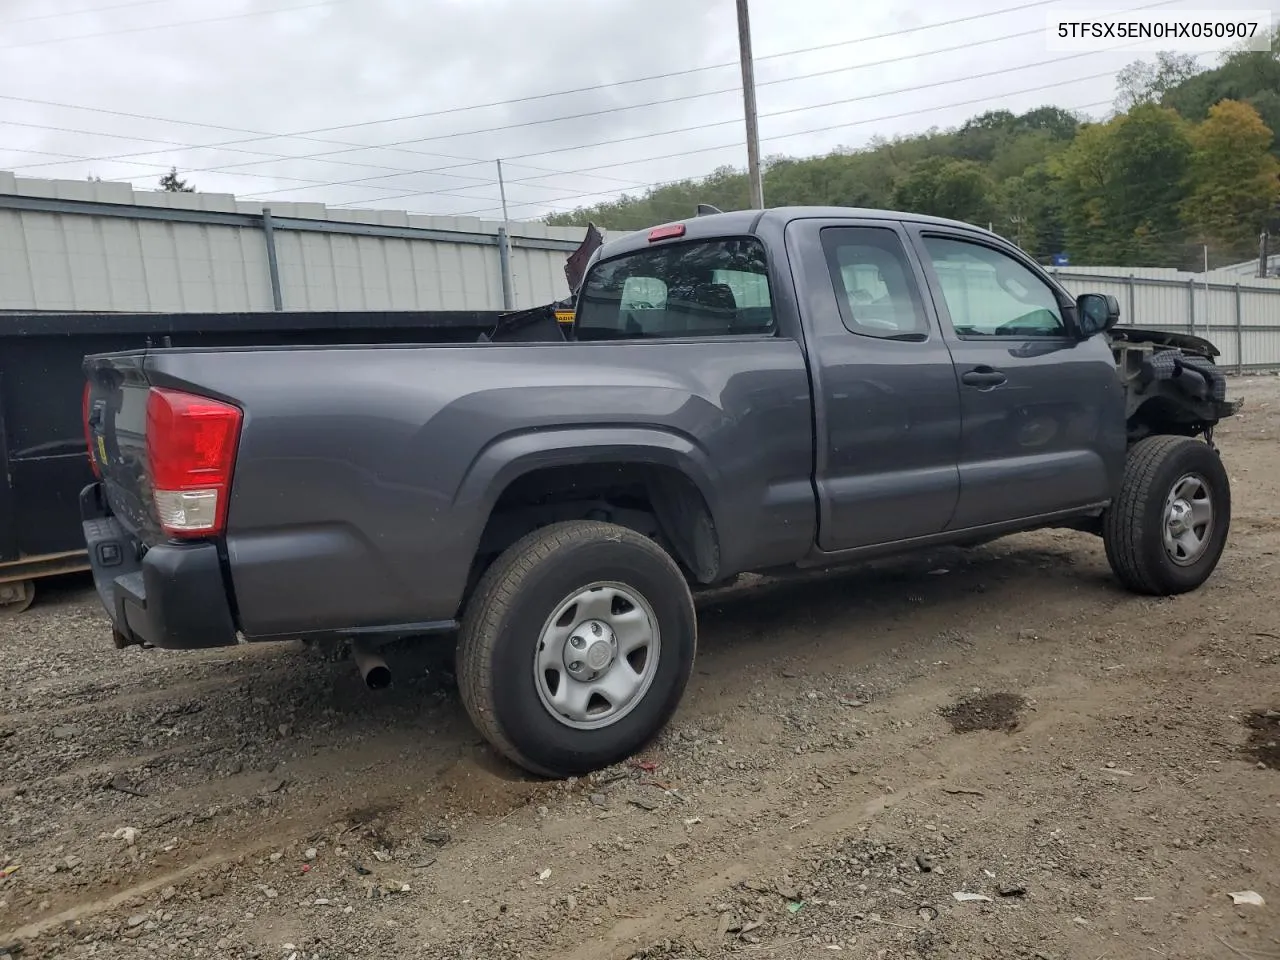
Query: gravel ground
point(1093, 773)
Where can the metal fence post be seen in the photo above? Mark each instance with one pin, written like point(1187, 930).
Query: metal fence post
point(1191, 305)
point(1129, 282)
point(1239, 333)
point(273, 265)
point(504, 264)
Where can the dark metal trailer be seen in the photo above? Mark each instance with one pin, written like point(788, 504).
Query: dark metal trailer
point(43, 463)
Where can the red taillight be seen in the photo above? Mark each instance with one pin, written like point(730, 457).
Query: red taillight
point(191, 449)
point(666, 233)
point(88, 432)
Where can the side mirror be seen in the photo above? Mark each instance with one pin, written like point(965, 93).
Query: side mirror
point(1096, 313)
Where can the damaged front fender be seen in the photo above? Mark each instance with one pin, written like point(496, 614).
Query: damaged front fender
point(1161, 338)
point(1172, 384)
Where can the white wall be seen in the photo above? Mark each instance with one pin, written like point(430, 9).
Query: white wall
point(1240, 316)
point(76, 261)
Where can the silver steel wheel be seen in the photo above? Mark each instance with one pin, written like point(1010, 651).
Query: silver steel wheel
point(597, 656)
point(1188, 520)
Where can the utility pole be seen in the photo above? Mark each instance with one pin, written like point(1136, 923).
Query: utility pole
point(502, 192)
point(754, 176)
point(504, 249)
point(1017, 221)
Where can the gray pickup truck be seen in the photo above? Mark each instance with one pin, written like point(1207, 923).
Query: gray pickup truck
point(748, 391)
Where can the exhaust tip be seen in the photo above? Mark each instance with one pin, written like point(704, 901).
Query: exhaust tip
point(373, 668)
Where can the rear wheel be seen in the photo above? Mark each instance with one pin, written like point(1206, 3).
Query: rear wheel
point(576, 647)
point(16, 596)
point(1167, 529)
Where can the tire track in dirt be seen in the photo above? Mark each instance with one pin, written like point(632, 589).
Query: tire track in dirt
point(156, 685)
point(451, 781)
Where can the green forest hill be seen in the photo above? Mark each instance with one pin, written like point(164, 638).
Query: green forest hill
point(1191, 158)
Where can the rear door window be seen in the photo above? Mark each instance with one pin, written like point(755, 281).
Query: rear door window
point(701, 288)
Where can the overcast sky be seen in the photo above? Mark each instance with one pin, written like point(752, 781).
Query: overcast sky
point(397, 88)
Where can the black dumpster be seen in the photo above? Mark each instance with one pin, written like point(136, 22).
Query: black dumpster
point(43, 465)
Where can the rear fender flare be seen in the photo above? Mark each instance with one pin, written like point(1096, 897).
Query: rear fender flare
point(512, 456)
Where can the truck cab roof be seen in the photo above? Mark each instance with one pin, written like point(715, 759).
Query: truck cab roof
point(749, 222)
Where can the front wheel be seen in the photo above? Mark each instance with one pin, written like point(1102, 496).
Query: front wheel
point(576, 647)
point(1165, 532)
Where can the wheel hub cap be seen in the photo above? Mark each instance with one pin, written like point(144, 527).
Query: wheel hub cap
point(1188, 520)
point(590, 650)
point(597, 655)
point(1179, 517)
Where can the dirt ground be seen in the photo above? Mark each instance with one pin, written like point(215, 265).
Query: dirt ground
point(1096, 770)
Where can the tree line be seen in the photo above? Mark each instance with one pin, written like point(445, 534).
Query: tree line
point(1189, 160)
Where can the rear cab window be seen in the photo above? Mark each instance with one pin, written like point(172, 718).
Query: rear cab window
point(697, 288)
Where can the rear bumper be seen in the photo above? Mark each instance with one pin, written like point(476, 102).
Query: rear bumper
point(174, 596)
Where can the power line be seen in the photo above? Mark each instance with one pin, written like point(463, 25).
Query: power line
point(306, 134)
point(896, 116)
point(306, 180)
point(310, 181)
point(72, 158)
point(165, 26)
point(785, 136)
point(478, 181)
point(369, 180)
point(529, 181)
point(650, 103)
point(734, 120)
point(684, 97)
point(259, 135)
point(50, 153)
point(692, 70)
point(276, 157)
point(556, 173)
point(718, 66)
point(72, 13)
point(273, 157)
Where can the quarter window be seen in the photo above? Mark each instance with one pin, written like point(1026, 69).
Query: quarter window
point(875, 289)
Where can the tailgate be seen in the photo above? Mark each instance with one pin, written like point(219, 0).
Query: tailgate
point(162, 584)
point(115, 429)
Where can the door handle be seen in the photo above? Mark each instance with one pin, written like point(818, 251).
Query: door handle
point(983, 377)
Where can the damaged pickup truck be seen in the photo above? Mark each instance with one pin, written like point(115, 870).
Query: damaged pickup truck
point(748, 391)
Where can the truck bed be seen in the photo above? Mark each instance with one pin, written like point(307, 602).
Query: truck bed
point(42, 457)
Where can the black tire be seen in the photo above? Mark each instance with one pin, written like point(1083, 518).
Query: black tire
point(1134, 525)
point(16, 598)
point(501, 633)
